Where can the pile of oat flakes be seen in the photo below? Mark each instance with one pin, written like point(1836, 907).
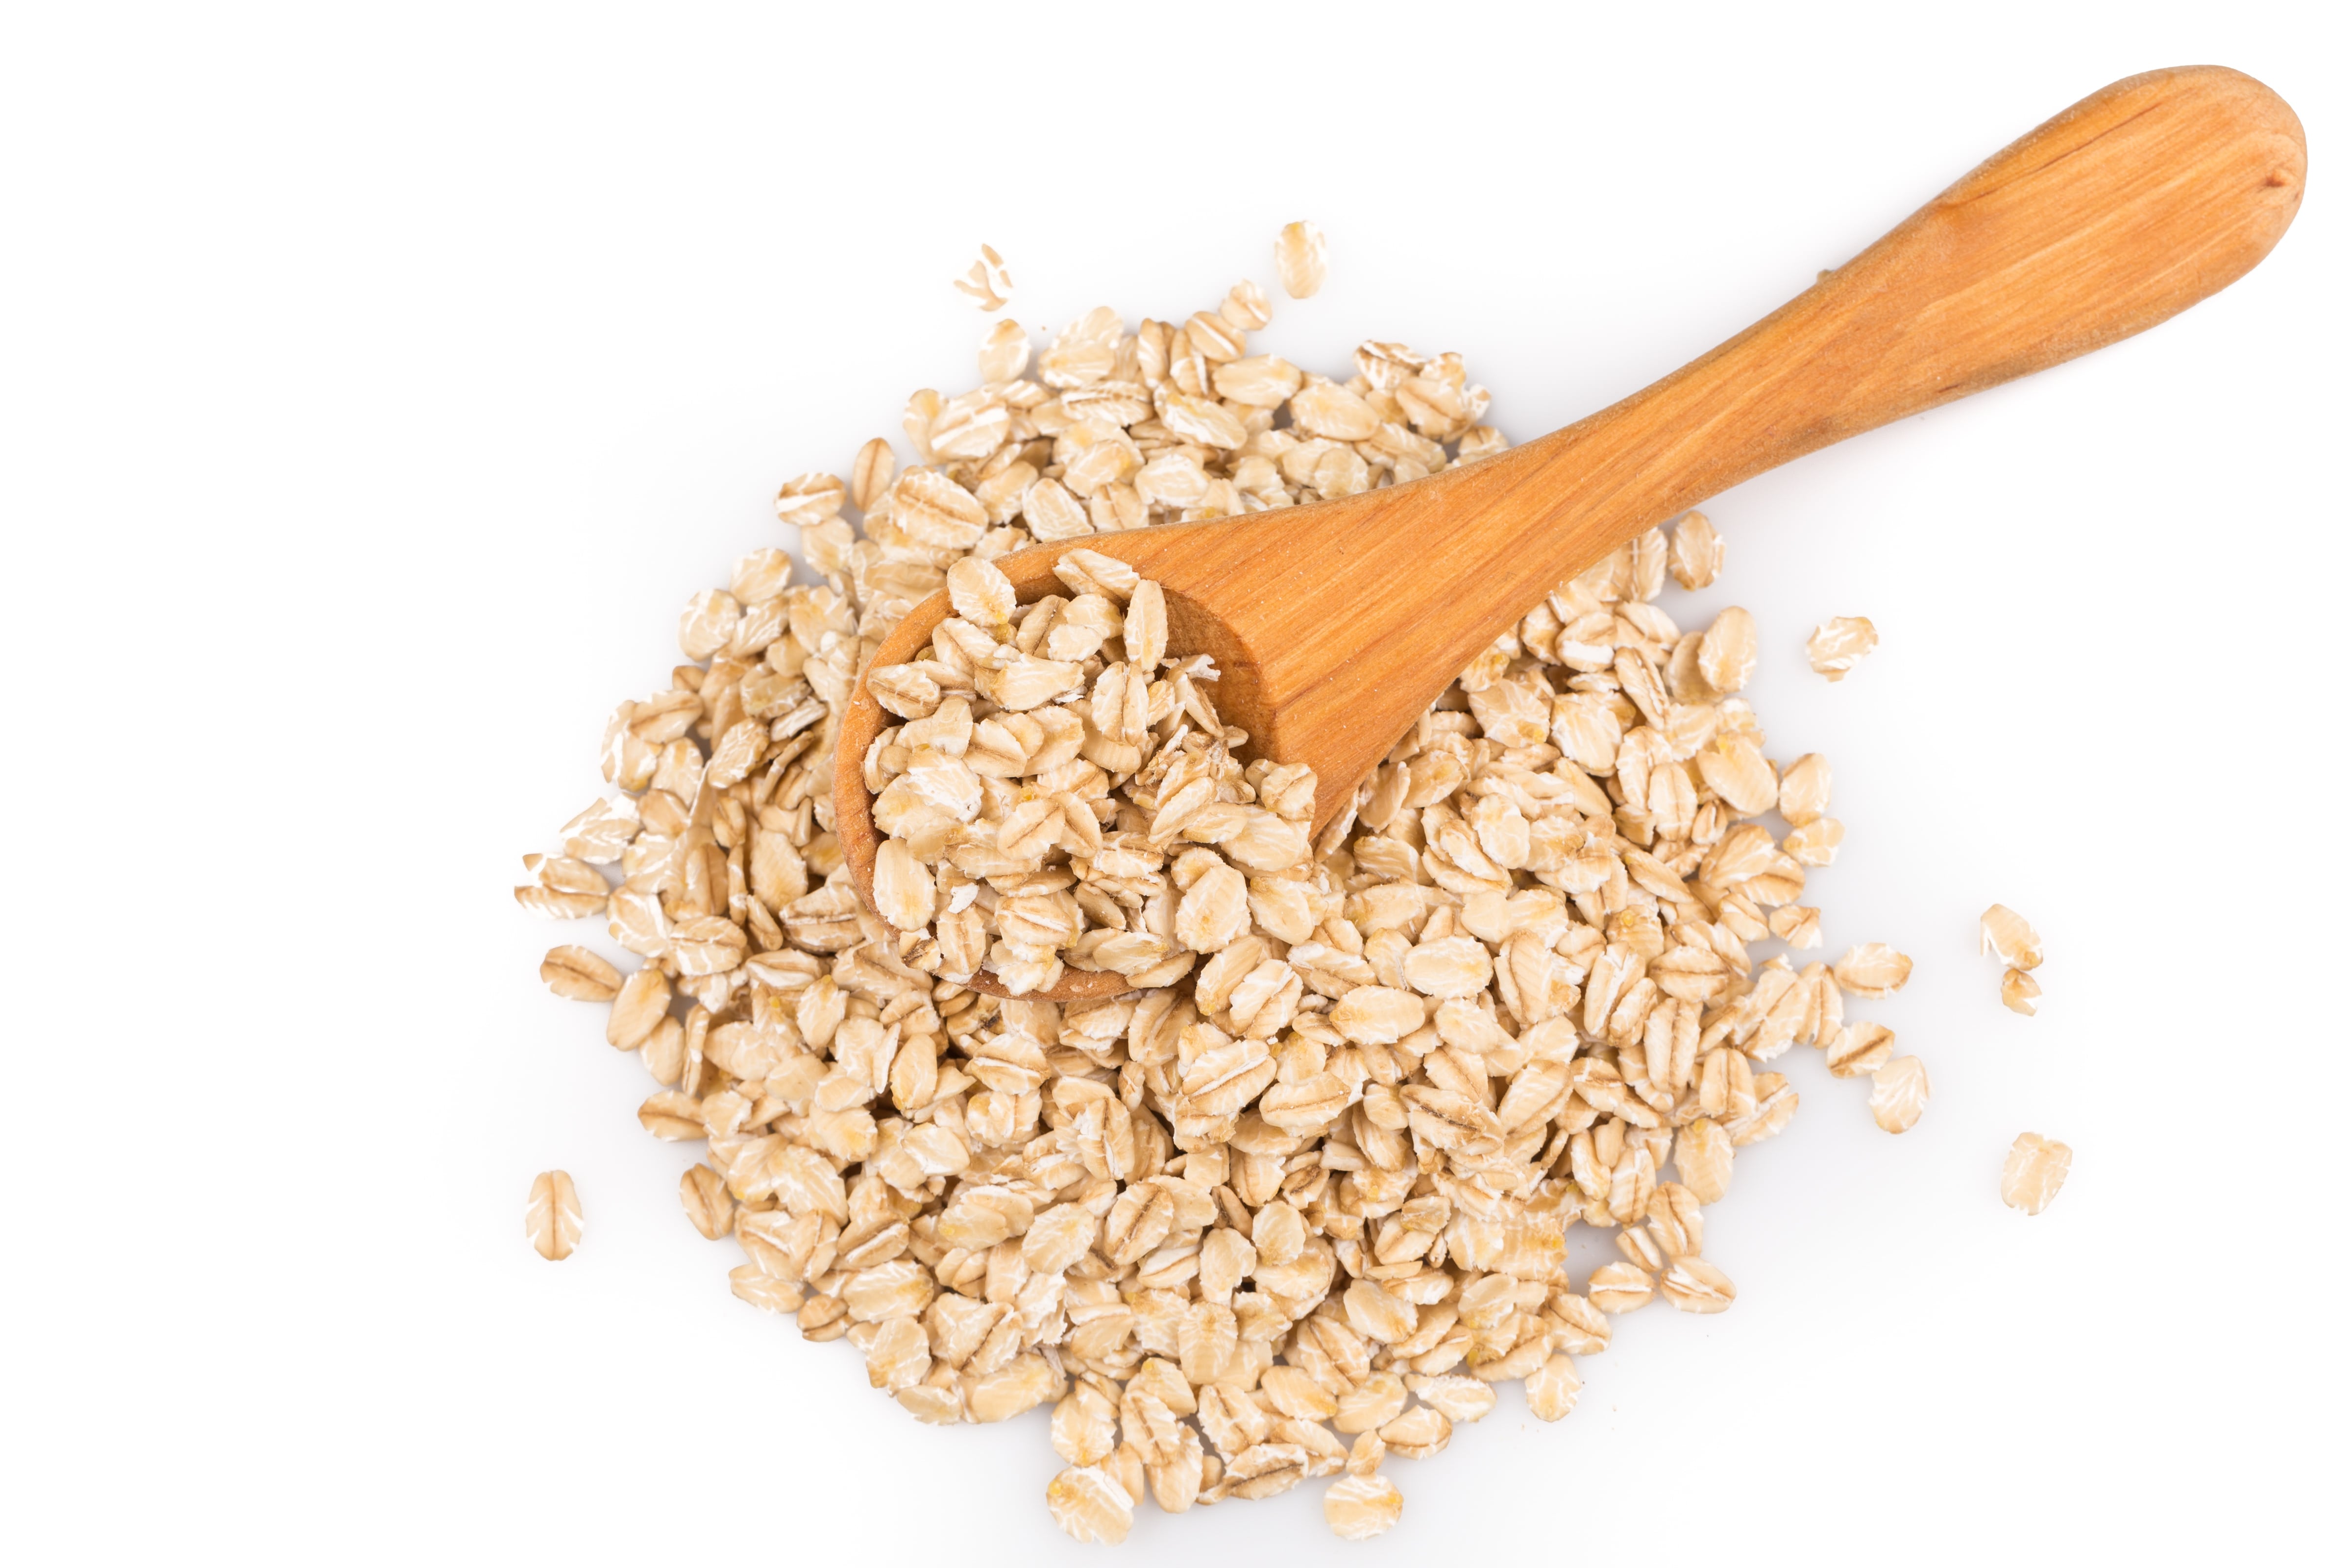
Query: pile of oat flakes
point(1300, 1205)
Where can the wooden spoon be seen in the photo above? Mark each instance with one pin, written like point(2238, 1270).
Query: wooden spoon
point(1336, 624)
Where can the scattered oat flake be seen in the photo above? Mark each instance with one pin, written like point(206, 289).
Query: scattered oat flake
point(2007, 936)
point(871, 474)
point(2018, 990)
point(2036, 1168)
point(1298, 255)
point(1695, 1285)
point(988, 283)
point(1859, 1049)
point(1003, 355)
point(552, 1219)
point(1837, 646)
point(1696, 555)
point(1552, 1388)
point(1726, 652)
point(1873, 969)
point(709, 1204)
point(1898, 1093)
point(1090, 1504)
point(1359, 1508)
point(576, 972)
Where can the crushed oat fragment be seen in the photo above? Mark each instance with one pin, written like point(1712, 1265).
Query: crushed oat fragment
point(988, 284)
point(1294, 1206)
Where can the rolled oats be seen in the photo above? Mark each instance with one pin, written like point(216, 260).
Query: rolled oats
point(1552, 1388)
point(1621, 1286)
point(709, 1207)
point(576, 972)
point(1311, 1179)
point(552, 1219)
point(2036, 1168)
point(1090, 1504)
point(639, 1008)
point(1837, 646)
point(1695, 556)
point(2018, 989)
point(1298, 253)
point(2007, 936)
point(1859, 1049)
point(1898, 1093)
point(1873, 969)
point(567, 889)
point(1726, 652)
point(1695, 1285)
point(1357, 1508)
point(871, 474)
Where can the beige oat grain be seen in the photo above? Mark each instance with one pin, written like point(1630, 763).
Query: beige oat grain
point(1695, 556)
point(871, 474)
point(987, 284)
point(2036, 1168)
point(552, 1219)
point(1359, 1508)
point(1873, 969)
point(2018, 990)
point(1090, 1504)
point(2006, 935)
point(576, 972)
point(708, 1205)
point(1298, 256)
point(1837, 646)
point(1898, 1093)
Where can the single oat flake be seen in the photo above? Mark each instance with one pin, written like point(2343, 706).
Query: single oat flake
point(2036, 1168)
point(1090, 1504)
point(552, 1219)
point(2018, 990)
point(1296, 1206)
point(1298, 256)
point(1898, 1093)
point(1837, 646)
point(2005, 934)
point(1873, 969)
point(576, 972)
point(1696, 555)
point(1359, 1508)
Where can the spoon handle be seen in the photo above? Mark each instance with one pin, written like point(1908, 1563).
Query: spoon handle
point(2129, 207)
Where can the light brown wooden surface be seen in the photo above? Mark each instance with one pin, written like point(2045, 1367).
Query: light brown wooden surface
point(1336, 624)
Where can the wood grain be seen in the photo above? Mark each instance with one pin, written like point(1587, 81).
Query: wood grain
point(1336, 624)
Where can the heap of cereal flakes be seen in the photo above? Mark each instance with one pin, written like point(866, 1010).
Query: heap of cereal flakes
point(1301, 1205)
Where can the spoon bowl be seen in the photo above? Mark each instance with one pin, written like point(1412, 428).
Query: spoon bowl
point(1335, 626)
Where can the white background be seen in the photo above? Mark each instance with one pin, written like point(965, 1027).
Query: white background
point(379, 380)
